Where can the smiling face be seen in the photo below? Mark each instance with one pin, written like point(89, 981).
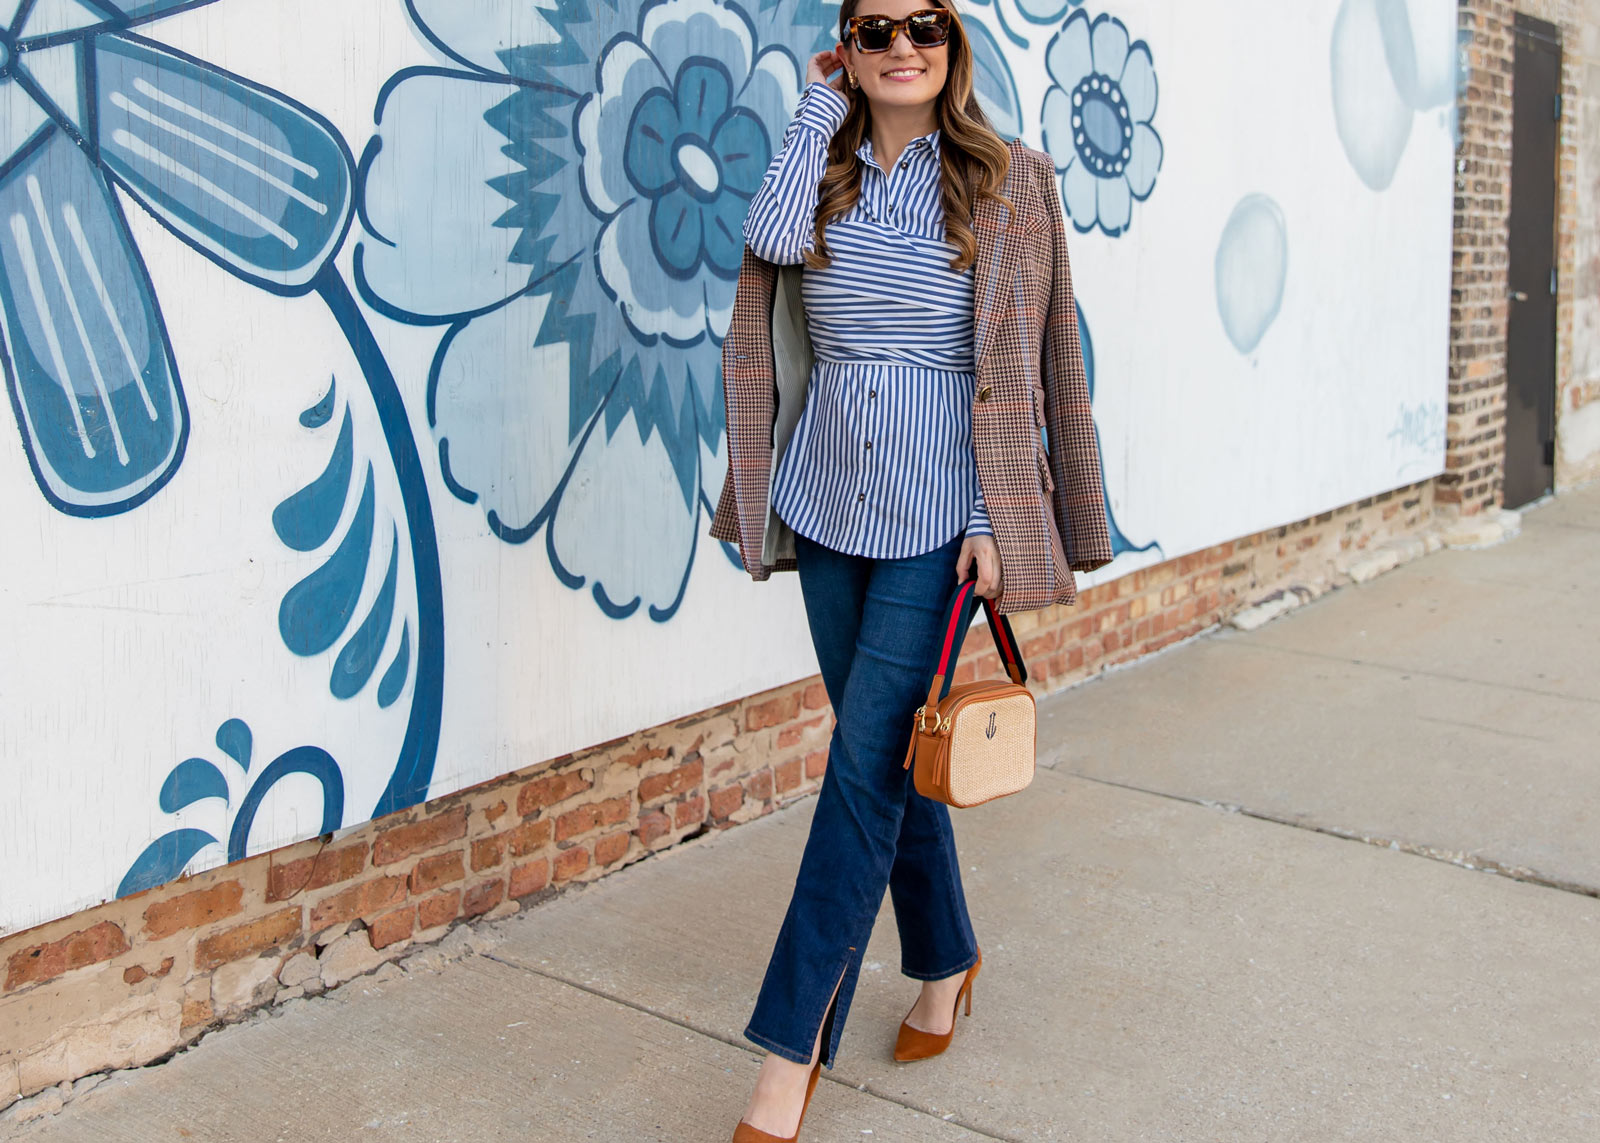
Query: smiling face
point(905, 75)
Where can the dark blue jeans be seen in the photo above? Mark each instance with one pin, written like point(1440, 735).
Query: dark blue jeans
point(877, 629)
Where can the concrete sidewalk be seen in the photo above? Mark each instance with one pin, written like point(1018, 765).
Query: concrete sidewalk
point(1332, 879)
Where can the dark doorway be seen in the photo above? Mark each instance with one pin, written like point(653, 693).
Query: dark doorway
point(1531, 332)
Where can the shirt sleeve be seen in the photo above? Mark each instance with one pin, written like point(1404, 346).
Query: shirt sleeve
point(978, 522)
point(782, 220)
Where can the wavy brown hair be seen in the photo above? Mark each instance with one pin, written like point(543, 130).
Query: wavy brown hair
point(974, 159)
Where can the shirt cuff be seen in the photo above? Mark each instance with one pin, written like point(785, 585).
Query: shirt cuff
point(978, 522)
point(822, 109)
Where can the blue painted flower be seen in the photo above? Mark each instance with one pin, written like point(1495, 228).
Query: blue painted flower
point(568, 199)
point(1097, 121)
point(698, 161)
point(692, 159)
point(675, 141)
point(256, 183)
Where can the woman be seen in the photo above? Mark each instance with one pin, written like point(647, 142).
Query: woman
point(938, 303)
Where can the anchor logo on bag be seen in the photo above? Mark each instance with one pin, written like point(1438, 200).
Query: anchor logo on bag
point(960, 756)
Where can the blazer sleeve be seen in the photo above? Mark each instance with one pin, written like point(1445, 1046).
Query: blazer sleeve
point(1079, 501)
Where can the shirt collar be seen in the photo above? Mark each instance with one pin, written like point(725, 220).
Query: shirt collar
point(928, 142)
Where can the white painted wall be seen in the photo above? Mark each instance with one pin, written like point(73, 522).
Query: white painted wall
point(131, 637)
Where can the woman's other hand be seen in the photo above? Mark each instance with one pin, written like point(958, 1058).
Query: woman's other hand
point(982, 555)
point(824, 64)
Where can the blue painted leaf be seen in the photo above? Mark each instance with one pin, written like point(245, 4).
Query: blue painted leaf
point(359, 658)
point(1119, 542)
point(317, 610)
point(306, 520)
point(991, 80)
point(322, 412)
point(258, 184)
point(235, 740)
point(91, 377)
point(394, 679)
point(191, 781)
point(1086, 346)
point(163, 860)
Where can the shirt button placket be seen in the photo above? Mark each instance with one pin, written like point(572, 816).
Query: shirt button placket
point(869, 418)
point(869, 423)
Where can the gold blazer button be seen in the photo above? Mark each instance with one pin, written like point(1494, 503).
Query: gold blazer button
point(983, 394)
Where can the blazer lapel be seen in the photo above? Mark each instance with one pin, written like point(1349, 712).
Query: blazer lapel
point(994, 267)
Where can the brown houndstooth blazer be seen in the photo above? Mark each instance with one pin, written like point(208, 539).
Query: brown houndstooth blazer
point(1029, 375)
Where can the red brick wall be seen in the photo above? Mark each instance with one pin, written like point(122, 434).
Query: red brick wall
point(1475, 449)
point(1475, 434)
point(129, 981)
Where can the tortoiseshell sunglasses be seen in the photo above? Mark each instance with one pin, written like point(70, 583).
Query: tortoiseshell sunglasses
point(925, 28)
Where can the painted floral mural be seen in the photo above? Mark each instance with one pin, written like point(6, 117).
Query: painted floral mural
point(92, 111)
point(254, 183)
point(675, 141)
point(1098, 121)
point(508, 314)
point(587, 275)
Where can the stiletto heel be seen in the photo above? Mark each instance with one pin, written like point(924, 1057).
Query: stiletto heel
point(915, 1044)
point(744, 1133)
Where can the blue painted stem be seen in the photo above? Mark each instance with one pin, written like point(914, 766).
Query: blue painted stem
point(414, 769)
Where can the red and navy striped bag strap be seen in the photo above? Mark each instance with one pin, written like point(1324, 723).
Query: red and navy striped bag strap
point(957, 619)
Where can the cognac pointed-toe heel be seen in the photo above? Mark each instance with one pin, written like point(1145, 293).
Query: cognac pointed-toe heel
point(744, 1133)
point(915, 1044)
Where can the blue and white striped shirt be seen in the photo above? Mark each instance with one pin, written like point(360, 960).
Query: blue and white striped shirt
point(881, 462)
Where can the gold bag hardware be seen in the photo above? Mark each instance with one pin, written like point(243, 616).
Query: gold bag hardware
point(977, 742)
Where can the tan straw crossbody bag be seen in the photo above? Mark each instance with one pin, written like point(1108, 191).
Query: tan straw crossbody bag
point(974, 743)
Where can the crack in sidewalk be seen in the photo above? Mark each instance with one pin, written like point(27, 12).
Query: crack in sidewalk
point(710, 1034)
point(1401, 670)
point(1475, 862)
point(1478, 726)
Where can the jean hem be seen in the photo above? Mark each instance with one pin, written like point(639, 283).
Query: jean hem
point(778, 1049)
point(964, 966)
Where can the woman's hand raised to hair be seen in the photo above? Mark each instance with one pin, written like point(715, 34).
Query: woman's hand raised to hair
point(982, 555)
point(824, 64)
